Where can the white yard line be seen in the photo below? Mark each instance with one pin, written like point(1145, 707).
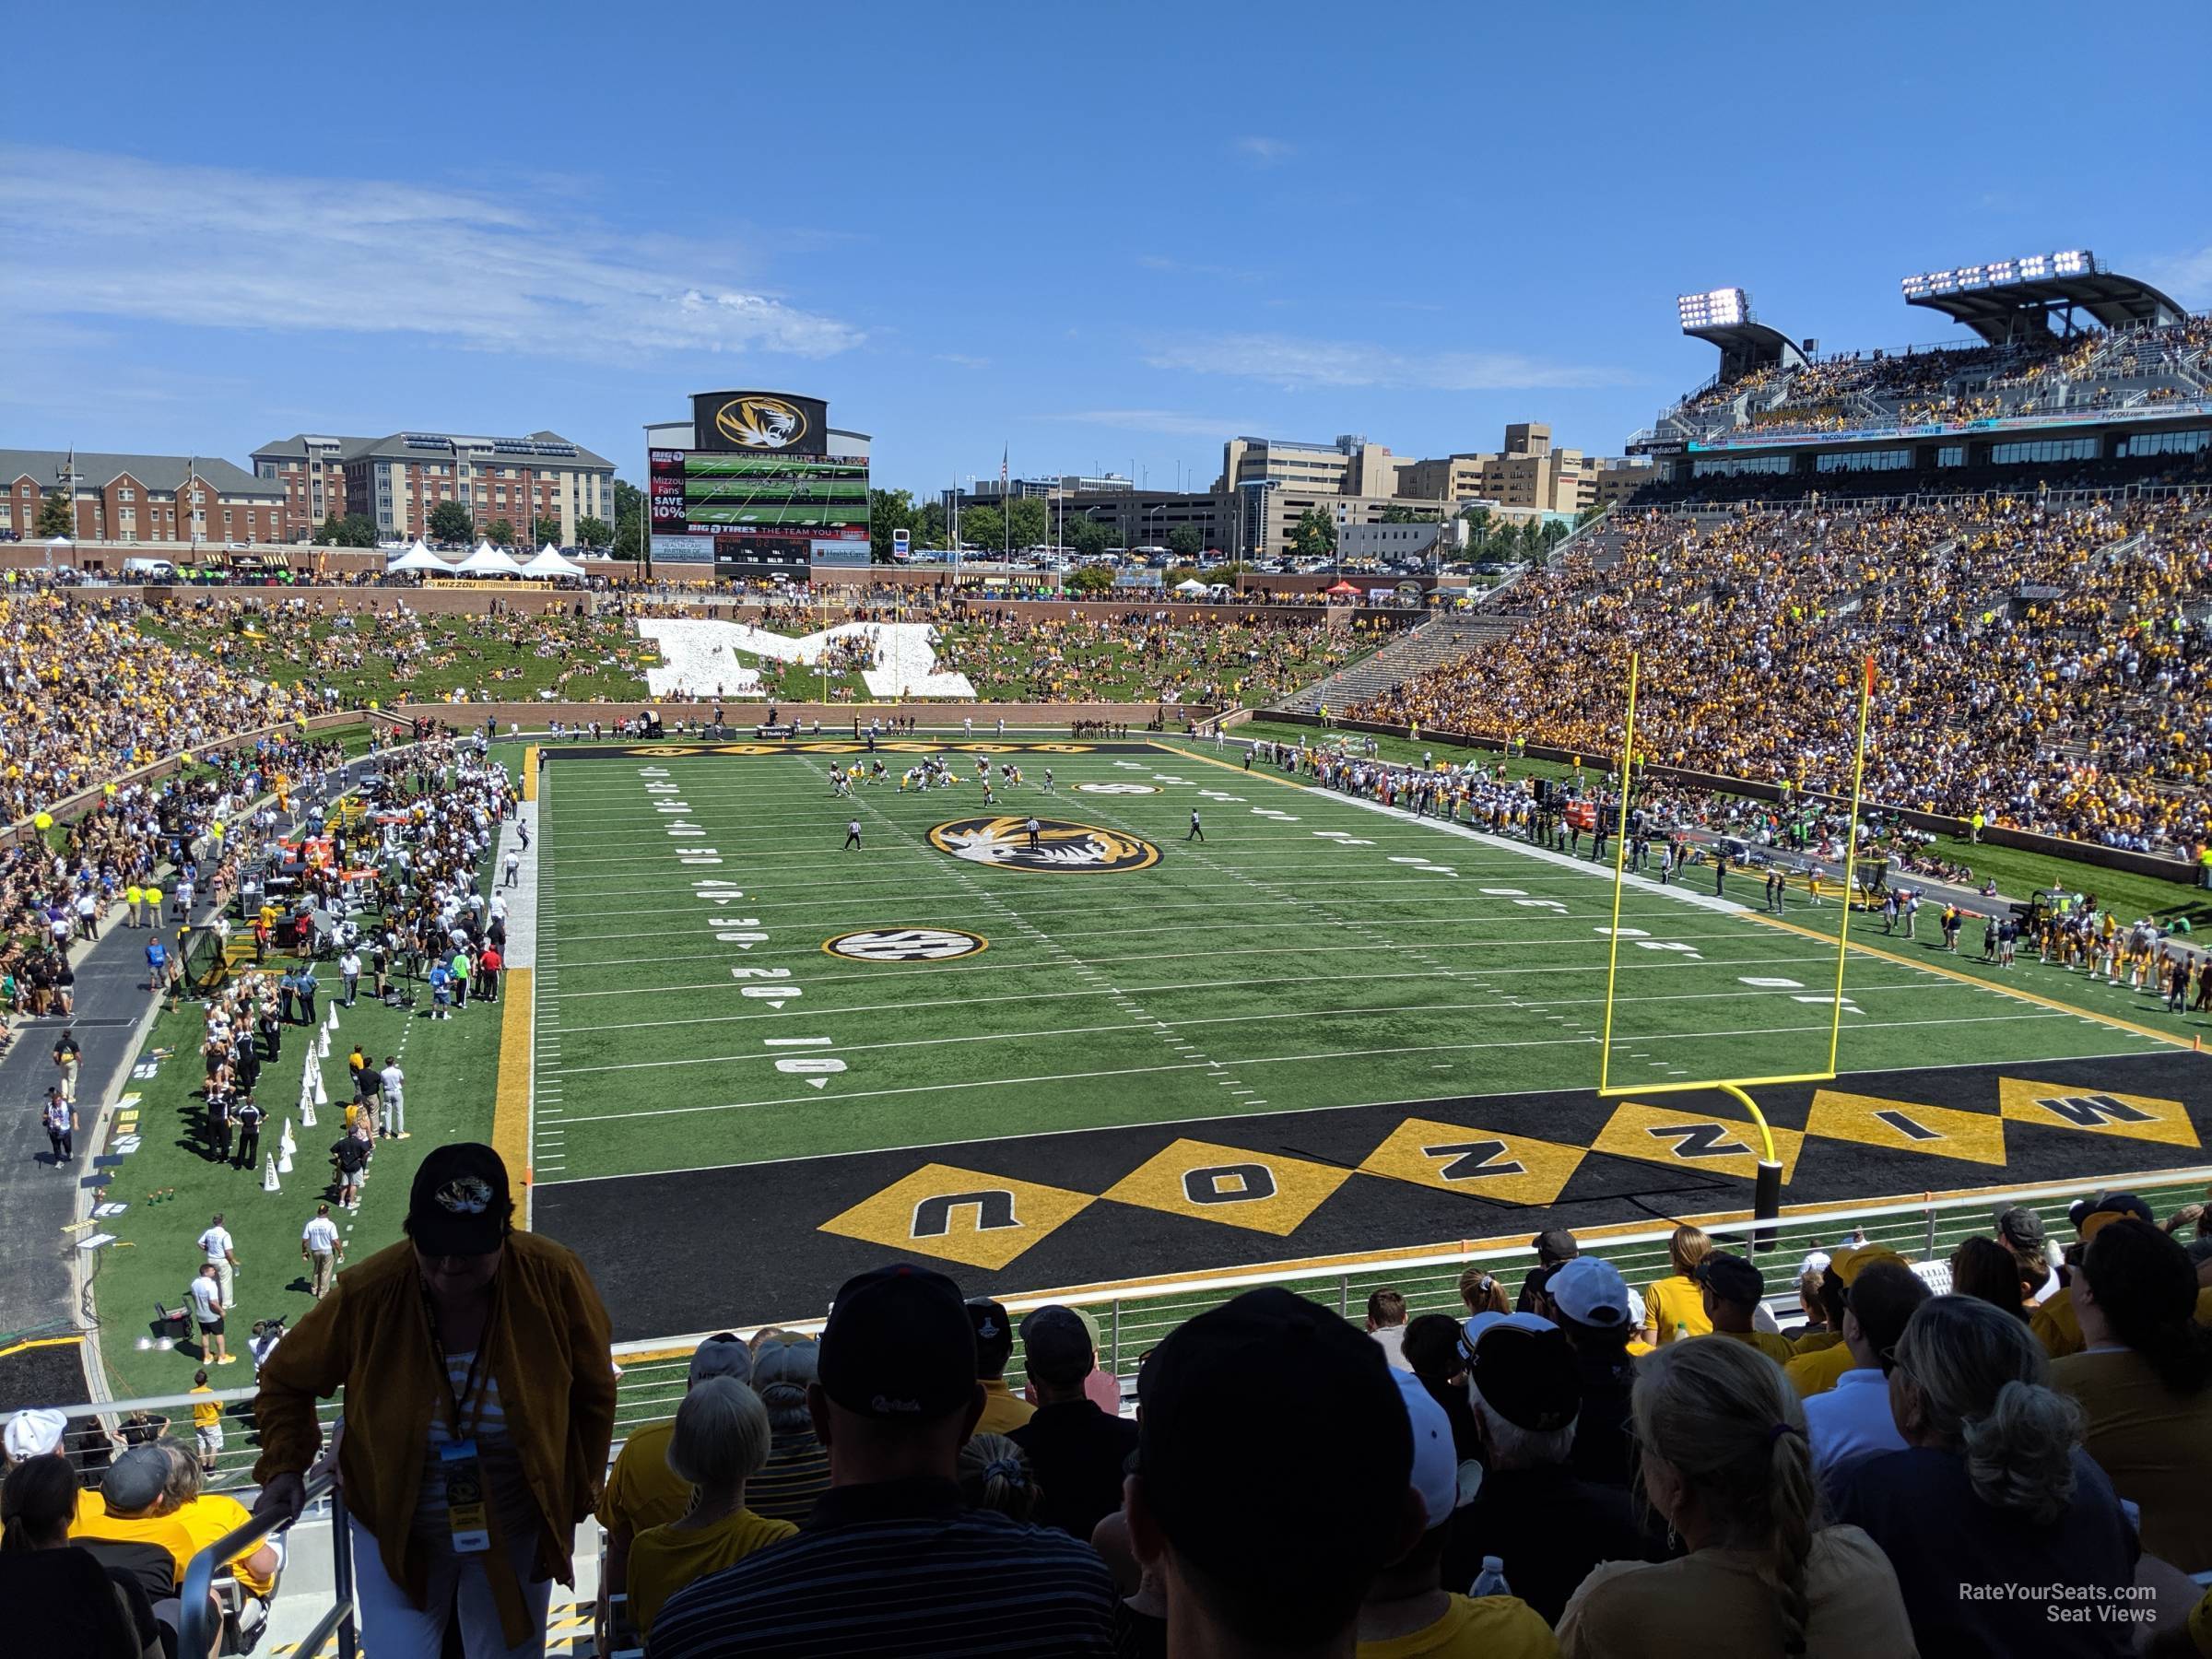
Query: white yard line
point(1463, 1102)
point(1738, 1033)
point(1434, 1047)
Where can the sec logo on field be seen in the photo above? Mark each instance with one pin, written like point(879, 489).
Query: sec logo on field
point(905, 944)
point(1117, 789)
point(1001, 841)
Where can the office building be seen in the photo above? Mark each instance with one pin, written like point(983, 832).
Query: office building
point(1446, 539)
point(1349, 466)
point(1527, 472)
point(1050, 488)
point(398, 481)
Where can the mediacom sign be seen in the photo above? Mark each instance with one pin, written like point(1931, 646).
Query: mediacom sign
point(761, 423)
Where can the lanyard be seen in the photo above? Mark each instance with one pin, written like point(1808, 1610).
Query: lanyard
point(461, 1400)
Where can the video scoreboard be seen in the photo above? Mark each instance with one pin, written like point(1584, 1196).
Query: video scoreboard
point(750, 513)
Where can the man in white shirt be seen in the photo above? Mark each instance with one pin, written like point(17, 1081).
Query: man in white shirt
point(349, 970)
point(320, 1248)
point(1386, 1325)
point(220, 1249)
point(393, 1082)
point(1853, 1420)
point(512, 868)
point(208, 1307)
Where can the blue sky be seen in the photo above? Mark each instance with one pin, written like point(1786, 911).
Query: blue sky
point(1102, 236)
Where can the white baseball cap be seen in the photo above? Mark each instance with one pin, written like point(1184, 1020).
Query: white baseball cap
point(35, 1433)
point(1435, 1464)
point(1591, 1292)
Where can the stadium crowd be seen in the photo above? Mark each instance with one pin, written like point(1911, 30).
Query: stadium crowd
point(2044, 667)
point(90, 697)
point(1146, 657)
point(1962, 383)
point(348, 658)
point(1941, 1457)
point(144, 853)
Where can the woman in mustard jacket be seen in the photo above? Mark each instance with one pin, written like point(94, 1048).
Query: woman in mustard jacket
point(480, 1404)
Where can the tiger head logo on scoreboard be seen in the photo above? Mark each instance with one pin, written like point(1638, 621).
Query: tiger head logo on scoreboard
point(758, 422)
point(1002, 840)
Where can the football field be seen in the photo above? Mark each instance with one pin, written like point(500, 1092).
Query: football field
point(763, 1058)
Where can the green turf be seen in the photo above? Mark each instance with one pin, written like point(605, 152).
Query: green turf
point(2017, 873)
point(796, 682)
point(172, 1186)
point(463, 655)
point(1312, 952)
point(1257, 664)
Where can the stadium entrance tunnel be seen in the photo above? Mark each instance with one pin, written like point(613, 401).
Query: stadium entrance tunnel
point(746, 1244)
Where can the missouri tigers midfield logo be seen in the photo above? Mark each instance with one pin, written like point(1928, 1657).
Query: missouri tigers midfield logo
point(1003, 840)
point(905, 944)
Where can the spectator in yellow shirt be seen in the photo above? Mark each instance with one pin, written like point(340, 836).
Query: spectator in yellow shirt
point(1815, 1369)
point(1004, 1410)
point(719, 1441)
point(641, 1490)
point(1734, 1289)
point(1675, 1307)
point(151, 1495)
point(207, 1422)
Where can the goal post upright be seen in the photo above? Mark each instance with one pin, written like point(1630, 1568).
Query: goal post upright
point(1620, 872)
point(1767, 1183)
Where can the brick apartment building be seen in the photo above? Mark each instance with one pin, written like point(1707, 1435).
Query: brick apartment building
point(398, 481)
point(140, 498)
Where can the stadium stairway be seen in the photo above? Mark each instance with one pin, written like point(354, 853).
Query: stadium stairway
point(1436, 641)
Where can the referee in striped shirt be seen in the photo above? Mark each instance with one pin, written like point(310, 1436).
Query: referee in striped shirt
point(890, 1562)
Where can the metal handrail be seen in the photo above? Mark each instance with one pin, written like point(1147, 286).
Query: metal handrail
point(194, 1635)
point(654, 1375)
point(1123, 1300)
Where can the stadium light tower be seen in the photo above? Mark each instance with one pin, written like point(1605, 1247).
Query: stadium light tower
point(1720, 308)
point(2038, 296)
point(1723, 317)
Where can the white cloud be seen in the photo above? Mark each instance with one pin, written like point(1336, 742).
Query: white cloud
point(1265, 152)
point(95, 235)
point(1173, 423)
point(2187, 276)
point(960, 359)
point(1296, 364)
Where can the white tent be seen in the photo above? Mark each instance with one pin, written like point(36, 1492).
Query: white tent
point(416, 557)
point(1191, 586)
point(549, 562)
point(487, 560)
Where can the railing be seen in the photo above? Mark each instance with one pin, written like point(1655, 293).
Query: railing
point(196, 1620)
point(1134, 1317)
point(1912, 500)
